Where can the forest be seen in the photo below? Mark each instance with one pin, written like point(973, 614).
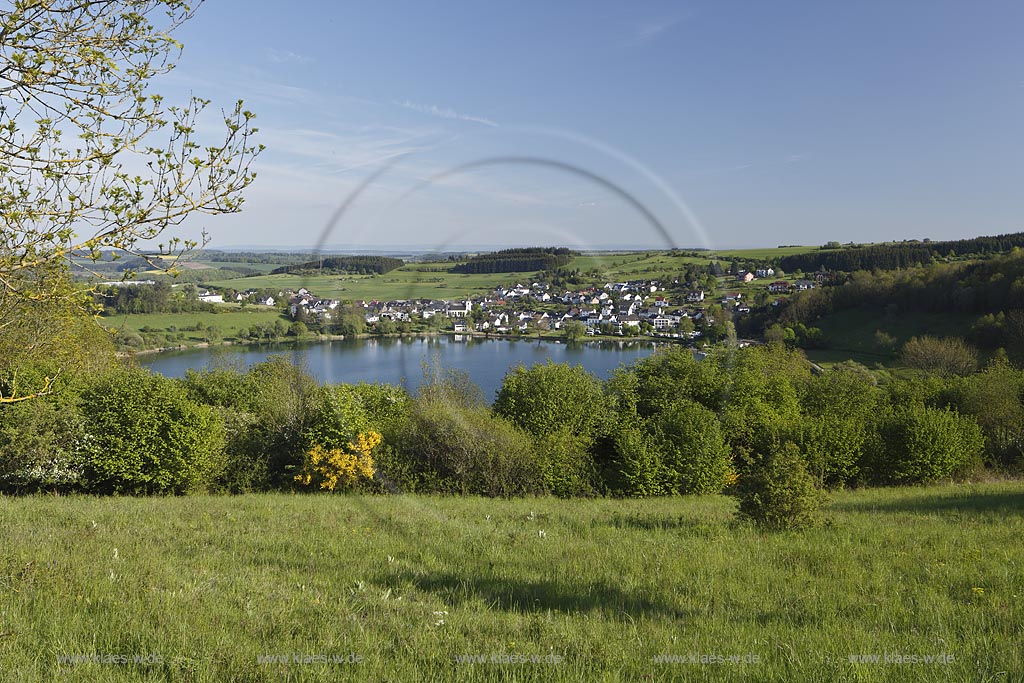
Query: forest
point(515, 260)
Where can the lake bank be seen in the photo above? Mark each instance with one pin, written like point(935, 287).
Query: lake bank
point(400, 360)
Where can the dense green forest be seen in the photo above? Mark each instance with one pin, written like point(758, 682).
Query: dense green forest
point(517, 260)
point(362, 265)
point(992, 288)
point(898, 255)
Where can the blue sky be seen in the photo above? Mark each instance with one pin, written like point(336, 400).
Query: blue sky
point(732, 123)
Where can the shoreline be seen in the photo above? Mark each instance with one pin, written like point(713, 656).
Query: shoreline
point(340, 337)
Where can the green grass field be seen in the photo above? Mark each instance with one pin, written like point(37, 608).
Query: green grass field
point(228, 319)
point(851, 333)
point(408, 282)
point(765, 252)
point(418, 281)
point(210, 585)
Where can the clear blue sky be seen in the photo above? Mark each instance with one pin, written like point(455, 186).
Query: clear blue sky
point(733, 123)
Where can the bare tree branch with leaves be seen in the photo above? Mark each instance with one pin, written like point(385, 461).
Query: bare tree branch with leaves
point(90, 159)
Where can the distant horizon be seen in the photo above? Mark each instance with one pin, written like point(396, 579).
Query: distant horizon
point(424, 248)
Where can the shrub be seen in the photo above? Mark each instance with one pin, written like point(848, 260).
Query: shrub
point(147, 436)
point(776, 492)
point(564, 408)
point(38, 441)
point(568, 467)
point(637, 470)
point(922, 444)
point(329, 468)
point(450, 448)
point(944, 357)
point(693, 452)
point(839, 422)
point(278, 404)
point(995, 398)
point(550, 397)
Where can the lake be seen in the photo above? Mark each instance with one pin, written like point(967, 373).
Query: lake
point(400, 360)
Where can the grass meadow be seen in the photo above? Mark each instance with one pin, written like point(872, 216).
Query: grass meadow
point(851, 333)
point(409, 282)
point(402, 587)
point(228, 319)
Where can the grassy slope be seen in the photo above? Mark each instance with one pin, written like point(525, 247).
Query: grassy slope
point(408, 282)
point(415, 281)
point(228, 320)
point(210, 583)
point(851, 333)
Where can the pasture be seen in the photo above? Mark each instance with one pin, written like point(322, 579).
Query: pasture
point(274, 587)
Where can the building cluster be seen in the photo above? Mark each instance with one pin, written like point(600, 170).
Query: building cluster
point(617, 307)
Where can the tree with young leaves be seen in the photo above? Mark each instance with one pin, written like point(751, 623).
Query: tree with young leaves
point(92, 162)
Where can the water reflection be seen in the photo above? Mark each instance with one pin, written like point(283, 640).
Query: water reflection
point(401, 360)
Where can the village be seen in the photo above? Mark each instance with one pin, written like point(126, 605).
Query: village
point(632, 308)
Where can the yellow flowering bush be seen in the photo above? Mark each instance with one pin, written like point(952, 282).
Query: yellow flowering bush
point(333, 468)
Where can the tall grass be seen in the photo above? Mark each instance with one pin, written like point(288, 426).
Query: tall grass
point(209, 585)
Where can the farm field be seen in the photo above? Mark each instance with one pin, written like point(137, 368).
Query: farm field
point(765, 252)
point(403, 586)
point(424, 280)
point(408, 282)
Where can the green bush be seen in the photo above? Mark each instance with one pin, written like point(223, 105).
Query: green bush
point(995, 398)
point(694, 455)
point(568, 466)
point(552, 397)
point(923, 444)
point(839, 424)
point(449, 448)
point(776, 492)
point(38, 443)
point(564, 408)
point(636, 469)
point(145, 435)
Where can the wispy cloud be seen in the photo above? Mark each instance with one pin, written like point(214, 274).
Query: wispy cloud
point(331, 152)
point(445, 113)
point(652, 29)
point(287, 57)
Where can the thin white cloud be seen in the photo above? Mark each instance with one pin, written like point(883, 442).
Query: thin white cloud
point(445, 113)
point(287, 57)
point(331, 152)
point(652, 29)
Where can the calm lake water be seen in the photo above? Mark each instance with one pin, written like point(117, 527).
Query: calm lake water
point(401, 360)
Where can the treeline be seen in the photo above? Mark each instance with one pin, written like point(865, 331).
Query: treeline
point(159, 297)
point(517, 260)
point(899, 255)
point(994, 288)
point(361, 265)
point(251, 256)
point(667, 425)
point(201, 276)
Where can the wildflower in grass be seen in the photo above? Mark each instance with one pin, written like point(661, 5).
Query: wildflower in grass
point(978, 590)
point(334, 468)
